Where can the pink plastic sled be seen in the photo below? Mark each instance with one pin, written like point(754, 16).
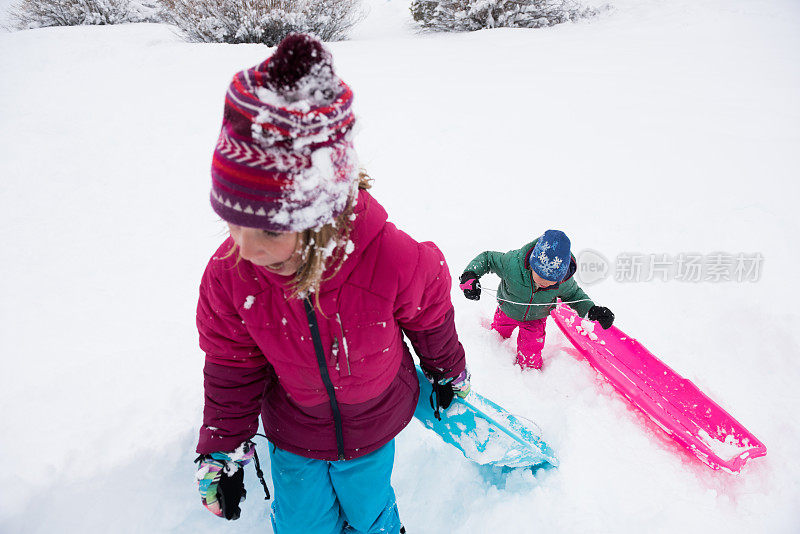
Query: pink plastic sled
point(672, 402)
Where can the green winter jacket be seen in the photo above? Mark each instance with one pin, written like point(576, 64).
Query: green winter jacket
point(517, 285)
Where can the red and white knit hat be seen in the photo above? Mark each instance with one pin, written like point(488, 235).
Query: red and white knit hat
point(285, 160)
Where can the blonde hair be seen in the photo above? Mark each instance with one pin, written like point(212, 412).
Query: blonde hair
point(314, 247)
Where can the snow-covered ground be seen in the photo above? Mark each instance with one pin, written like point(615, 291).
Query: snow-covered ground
point(658, 128)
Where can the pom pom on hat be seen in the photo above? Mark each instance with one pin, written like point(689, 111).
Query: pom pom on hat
point(297, 56)
point(285, 160)
point(551, 256)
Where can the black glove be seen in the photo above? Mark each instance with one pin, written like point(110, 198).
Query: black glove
point(470, 285)
point(602, 315)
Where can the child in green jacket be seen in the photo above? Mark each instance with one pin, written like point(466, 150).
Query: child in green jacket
point(531, 279)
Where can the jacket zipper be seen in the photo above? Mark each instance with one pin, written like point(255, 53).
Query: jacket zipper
point(533, 292)
point(313, 325)
point(525, 317)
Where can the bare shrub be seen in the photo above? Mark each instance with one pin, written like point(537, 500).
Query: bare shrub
point(261, 21)
point(471, 15)
point(42, 13)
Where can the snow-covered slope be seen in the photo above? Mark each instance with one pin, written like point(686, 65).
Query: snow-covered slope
point(658, 128)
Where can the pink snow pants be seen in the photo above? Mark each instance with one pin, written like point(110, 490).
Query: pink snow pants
point(530, 341)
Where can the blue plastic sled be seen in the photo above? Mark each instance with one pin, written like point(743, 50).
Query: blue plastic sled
point(486, 433)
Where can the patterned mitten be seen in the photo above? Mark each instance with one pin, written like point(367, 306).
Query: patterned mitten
point(460, 384)
point(445, 389)
point(220, 479)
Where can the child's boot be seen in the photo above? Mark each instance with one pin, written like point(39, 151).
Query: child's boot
point(532, 361)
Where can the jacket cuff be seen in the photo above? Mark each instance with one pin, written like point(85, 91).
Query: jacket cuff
point(582, 308)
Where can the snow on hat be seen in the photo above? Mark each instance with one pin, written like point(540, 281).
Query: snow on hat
point(284, 160)
point(550, 256)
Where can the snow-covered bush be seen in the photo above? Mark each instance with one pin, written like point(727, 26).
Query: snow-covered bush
point(261, 21)
point(41, 13)
point(470, 15)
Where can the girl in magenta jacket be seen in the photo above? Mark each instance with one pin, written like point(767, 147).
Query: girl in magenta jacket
point(303, 309)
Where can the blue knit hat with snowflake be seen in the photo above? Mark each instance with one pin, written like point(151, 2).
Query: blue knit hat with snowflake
point(550, 256)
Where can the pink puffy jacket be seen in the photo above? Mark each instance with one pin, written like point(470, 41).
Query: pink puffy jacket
point(358, 389)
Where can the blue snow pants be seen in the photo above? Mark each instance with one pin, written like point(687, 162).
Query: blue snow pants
point(321, 497)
